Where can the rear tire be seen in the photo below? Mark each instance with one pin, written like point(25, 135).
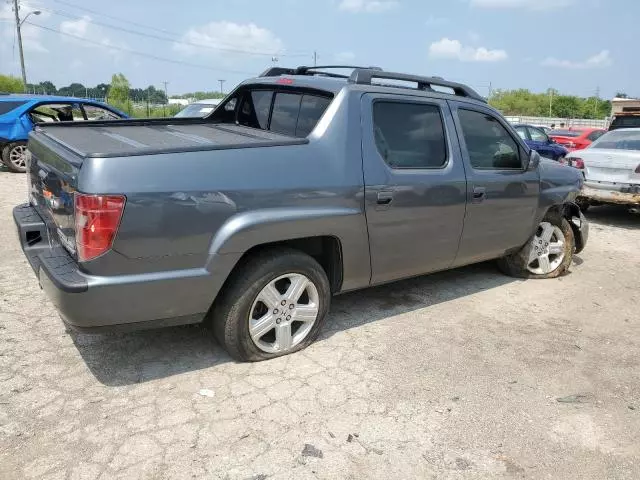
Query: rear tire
point(249, 319)
point(548, 254)
point(14, 156)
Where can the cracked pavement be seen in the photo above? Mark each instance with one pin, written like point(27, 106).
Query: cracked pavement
point(459, 375)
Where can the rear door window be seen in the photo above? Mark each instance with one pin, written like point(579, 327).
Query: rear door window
point(538, 135)
point(593, 136)
point(94, 112)
point(6, 107)
point(409, 135)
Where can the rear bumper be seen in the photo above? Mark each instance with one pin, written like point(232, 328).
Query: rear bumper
point(128, 302)
point(609, 193)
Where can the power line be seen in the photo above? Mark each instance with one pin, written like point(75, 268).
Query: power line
point(224, 46)
point(141, 54)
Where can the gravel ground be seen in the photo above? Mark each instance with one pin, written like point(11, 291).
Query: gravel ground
point(465, 374)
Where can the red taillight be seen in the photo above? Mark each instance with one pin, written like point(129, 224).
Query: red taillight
point(97, 221)
point(577, 163)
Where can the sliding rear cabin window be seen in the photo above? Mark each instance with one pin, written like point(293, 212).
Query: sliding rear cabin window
point(289, 113)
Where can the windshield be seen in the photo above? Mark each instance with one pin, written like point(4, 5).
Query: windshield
point(619, 140)
point(565, 133)
point(196, 110)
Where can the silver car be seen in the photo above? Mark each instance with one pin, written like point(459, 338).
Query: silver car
point(611, 168)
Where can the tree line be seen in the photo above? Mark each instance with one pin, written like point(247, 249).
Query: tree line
point(550, 104)
point(10, 84)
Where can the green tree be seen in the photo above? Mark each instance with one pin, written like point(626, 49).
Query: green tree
point(118, 94)
point(11, 84)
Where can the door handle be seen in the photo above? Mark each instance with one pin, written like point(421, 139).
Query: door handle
point(479, 194)
point(384, 197)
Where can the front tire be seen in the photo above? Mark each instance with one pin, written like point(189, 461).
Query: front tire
point(14, 156)
point(273, 305)
point(548, 254)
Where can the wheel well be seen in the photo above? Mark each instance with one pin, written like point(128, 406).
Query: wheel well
point(326, 250)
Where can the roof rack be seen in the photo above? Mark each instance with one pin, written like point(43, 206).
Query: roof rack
point(315, 70)
point(364, 76)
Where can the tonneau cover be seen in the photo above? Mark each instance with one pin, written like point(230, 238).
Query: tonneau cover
point(128, 138)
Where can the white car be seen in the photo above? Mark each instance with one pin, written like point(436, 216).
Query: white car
point(200, 108)
point(611, 168)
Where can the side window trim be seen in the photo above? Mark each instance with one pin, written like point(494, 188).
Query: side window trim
point(515, 138)
point(407, 101)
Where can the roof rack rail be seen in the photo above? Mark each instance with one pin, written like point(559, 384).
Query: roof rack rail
point(363, 76)
point(315, 70)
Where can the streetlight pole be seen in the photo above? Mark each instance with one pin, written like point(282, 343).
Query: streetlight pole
point(221, 84)
point(19, 23)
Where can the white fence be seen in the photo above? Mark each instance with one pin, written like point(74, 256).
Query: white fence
point(560, 122)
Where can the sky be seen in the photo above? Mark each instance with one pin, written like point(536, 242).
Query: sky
point(579, 47)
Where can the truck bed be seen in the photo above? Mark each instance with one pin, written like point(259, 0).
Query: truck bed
point(147, 137)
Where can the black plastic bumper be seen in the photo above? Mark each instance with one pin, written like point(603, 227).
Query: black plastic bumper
point(94, 304)
point(44, 256)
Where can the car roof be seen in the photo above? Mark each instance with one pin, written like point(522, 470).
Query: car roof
point(335, 85)
point(13, 97)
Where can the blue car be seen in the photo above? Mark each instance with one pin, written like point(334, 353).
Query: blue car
point(19, 113)
point(539, 141)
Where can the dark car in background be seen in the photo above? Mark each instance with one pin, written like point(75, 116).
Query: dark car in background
point(19, 113)
point(538, 140)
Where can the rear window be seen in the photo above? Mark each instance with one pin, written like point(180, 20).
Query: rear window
point(289, 113)
point(565, 133)
point(6, 107)
point(618, 140)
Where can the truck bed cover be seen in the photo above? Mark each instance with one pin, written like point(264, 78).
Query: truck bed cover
point(148, 137)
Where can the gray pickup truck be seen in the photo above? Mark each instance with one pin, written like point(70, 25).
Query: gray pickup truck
point(301, 184)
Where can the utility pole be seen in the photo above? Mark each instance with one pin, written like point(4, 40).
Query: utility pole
point(315, 58)
point(166, 94)
point(221, 86)
point(16, 11)
point(550, 100)
point(490, 91)
point(595, 107)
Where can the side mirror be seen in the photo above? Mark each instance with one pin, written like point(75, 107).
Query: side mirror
point(533, 161)
point(550, 140)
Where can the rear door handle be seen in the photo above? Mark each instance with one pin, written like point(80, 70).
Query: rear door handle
point(479, 194)
point(385, 197)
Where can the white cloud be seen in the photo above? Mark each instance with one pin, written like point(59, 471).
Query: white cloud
point(453, 49)
point(367, 6)
point(599, 60)
point(84, 33)
point(227, 37)
point(524, 4)
point(345, 57)
point(78, 27)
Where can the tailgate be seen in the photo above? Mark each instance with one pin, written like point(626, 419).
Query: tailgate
point(52, 176)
